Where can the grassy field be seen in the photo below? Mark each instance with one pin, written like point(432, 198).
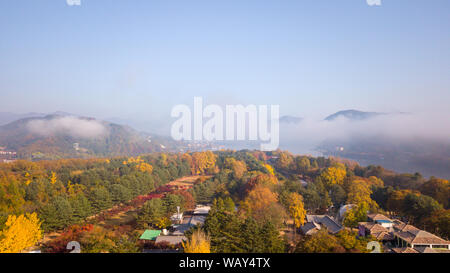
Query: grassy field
point(187, 181)
point(129, 217)
point(122, 218)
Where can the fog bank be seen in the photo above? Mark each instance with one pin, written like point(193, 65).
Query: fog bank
point(73, 126)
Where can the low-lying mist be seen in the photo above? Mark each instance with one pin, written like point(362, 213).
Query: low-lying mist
point(308, 134)
point(72, 126)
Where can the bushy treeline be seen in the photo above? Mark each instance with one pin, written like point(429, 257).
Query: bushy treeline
point(252, 192)
point(334, 182)
point(325, 184)
point(65, 192)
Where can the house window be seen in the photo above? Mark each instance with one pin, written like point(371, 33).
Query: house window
point(421, 245)
point(439, 246)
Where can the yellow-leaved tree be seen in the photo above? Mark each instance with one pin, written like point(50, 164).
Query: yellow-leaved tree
point(296, 209)
point(269, 169)
point(19, 233)
point(199, 243)
point(238, 167)
point(163, 222)
point(202, 162)
point(53, 178)
point(334, 175)
point(145, 168)
point(360, 192)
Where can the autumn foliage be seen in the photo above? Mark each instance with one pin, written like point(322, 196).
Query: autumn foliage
point(296, 209)
point(199, 243)
point(203, 162)
point(20, 232)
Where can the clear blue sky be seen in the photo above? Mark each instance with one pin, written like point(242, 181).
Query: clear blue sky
point(135, 59)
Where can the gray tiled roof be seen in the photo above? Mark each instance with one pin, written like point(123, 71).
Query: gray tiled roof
point(309, 226)
point(173, 240)
point(325, 220)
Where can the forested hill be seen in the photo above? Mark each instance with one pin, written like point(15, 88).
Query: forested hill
point(352, 115)
point(252, 192)
point(60, 136)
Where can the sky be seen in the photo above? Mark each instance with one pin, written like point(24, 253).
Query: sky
point(134, 60)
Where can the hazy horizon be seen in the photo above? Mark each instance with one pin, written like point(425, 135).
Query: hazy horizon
point(225, 126)
point(135, 60)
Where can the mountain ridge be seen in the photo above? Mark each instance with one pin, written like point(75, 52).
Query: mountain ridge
point(58, 139)
point(353, 114)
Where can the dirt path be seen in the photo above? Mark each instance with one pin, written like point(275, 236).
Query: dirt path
point(128, 216)
point(187, 181)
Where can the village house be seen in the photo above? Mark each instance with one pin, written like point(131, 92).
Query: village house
point(7, 156)
point(381, 220)
point(170, 239)
point(181, 222)
point(401, 237)
point(376, 230)
point(316, 222)
point(409, 236)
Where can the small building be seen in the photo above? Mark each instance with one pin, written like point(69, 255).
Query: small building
point(150, 235)
point(202, 210)
point(385, 223)
point(416, 238)
point(418, 250)
point(179, 230)
point(7, 156)
point(380, 219)
point(404, 237)
point(170, 239)
point(403, 250)
point(316, 222)
point(197, 220)
point(377, 216)
point(310, 228)
point(376, 230)
point(76, 146)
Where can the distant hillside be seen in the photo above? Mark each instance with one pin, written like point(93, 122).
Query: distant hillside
point(424, 156)
point(57, 136)
point(290, 119)
point(7, 117)
point(352, 115)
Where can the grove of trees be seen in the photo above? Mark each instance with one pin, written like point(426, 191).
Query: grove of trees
point(253, 195)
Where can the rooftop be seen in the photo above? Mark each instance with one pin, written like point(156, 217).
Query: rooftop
point(309, 226)
point(417, 236)
point(173, 240)
point(325, 220)
point(378, 231)
point(378, 217)
point(197, 219)
point(150, 234)
point(180, 229)
point(383, 221)
point(201, 209)
point(404, 250)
